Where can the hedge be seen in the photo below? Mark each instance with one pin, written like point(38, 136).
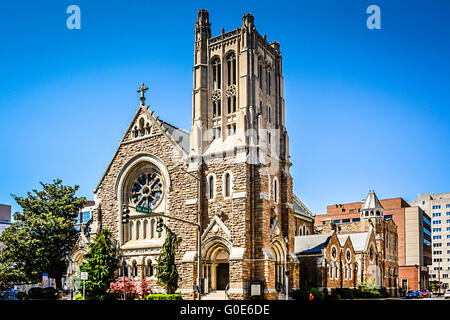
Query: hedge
point(303, 294)
point(163, 297)
point(48, 293)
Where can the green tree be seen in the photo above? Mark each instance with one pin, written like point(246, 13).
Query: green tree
point(100, 263)
point(167, 273)
point(42, 235)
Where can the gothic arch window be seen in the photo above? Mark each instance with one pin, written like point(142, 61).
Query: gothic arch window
point(276, 196)
point(145, 230)
point(132, 231)
point(231, 68)
point(260, 72)
point(371, 254)
point(138, 229)
point(227, 184)
point(300, 231)
point(134, 269)
point(304, 229)
point(331, 271)
point(152, 228)
point(216, 73)
point(211, 186)
point(269, 79)
point(149, 268)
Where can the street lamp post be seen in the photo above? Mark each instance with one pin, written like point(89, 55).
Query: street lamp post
point(199, 226)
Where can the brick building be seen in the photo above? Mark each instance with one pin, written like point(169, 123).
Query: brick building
point(231, 174)
point(373, 240)
point(414, 236)
point(326, 261)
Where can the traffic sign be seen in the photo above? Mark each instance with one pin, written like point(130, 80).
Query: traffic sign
point(84, 275)
point(143, 209)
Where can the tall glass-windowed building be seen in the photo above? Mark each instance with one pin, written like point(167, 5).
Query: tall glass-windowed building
point(437, 206)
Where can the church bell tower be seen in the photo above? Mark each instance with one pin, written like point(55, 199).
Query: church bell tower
point(237, 96)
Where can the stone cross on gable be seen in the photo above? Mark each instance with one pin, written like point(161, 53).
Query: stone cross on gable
point(142, 90)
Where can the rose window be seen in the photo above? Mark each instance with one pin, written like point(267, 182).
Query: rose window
point(147, 190)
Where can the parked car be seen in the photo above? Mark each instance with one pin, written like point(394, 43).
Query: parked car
point(9, 294)
point(426, 293)
point(414, 294)
point(447, 294)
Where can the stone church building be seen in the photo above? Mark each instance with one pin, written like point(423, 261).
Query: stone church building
point(230, 174)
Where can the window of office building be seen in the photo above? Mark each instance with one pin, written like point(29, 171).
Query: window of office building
point(437, 229)
point(438, 237)
point(436, 245)
point(436, 214)
point(436, 207)
point(437, 222)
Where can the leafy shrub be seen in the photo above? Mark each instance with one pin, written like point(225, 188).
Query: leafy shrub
point(384, 293)
point(335, 296)
point(49, 293)
point(303, 294)
point(78, 297)
point(344, 293)
point(21, 295)
point(164, 297)
point(35, 293)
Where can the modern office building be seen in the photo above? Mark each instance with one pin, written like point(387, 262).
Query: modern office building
point(437, 206)
point(85, 215)
point(414, 236)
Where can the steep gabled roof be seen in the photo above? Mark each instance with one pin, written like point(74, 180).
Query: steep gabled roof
point(359, 240)
point(311, 243)
point(300, 208)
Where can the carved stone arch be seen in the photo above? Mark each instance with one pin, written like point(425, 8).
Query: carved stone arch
point(214, 241)
point(143, 157)
point(140, 164)
point(216, 254)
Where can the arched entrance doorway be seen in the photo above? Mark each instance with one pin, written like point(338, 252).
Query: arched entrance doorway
point(279, 251)
point(216, 266)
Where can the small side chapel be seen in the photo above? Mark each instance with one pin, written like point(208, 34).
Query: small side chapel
point(230, 174)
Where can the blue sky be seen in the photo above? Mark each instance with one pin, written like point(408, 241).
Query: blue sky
point(366, 109)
